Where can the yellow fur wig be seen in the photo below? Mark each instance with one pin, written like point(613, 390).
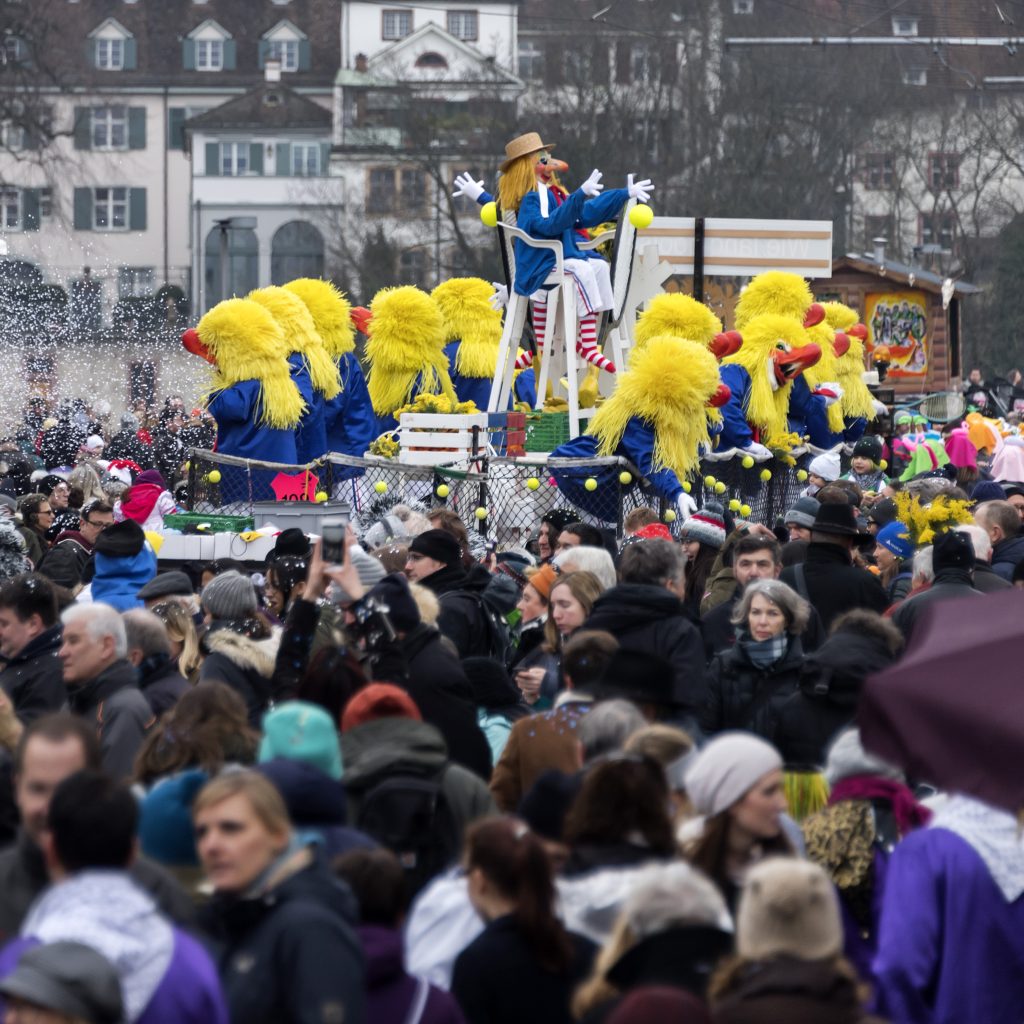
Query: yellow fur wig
point(518, 178)
point(775, 291)
point(667, 385)
point(678, 316)
point(767, 408)
point(470, 319)
point(300, 335)
point(405, 346)
point(248, 344)
point(330, 311)
point(857, 400)
point(826, 370)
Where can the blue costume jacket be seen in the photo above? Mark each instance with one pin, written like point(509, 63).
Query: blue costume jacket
point(736, 432)
point(808, 416)
point(311, 433)
point(348, 417)
point(478, 389)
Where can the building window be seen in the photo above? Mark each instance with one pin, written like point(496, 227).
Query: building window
point(12, 136)
point(110, 54)
point(110, 209)
point(396, 24)
point(234, 158)
point(915, 76)
point(305, 159)
point(943, 171)
point(10, 209)
point(382, 195)
point(46, 202)
point(297, 250)
point(209, 54)
point(142, 382)
point(414, 191)
point(742, 6)
point(14, 50)
point(531, 61)
point(938, 230)
point(902, 26)
point(432, 60)
point(135, 282)
point(642, 62)
point(877, 226)
point(396, 191)
point(110, 127)
point(286, 51)
point(878, 170)
point(464, 25)
point(412, 267)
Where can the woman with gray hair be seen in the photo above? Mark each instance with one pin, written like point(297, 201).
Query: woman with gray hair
point(749, 683)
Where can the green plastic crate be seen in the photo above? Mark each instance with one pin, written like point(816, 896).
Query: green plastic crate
point(189, 522)
point(545, 431)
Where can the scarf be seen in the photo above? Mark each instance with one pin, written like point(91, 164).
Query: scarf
point(765, 653)
point(909, 814)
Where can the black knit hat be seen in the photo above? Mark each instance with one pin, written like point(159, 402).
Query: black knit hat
point(122, 540)
point(560, 518)
point(953, 550)
point(868, 447)
point(437, 544)
point(393, 591)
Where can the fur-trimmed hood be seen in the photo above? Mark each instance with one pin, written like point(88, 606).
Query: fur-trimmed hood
point(245, 652)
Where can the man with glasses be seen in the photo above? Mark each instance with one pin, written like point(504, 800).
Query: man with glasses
point(65, 562)
point(36, 518)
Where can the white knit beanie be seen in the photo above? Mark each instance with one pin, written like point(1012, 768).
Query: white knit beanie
point(826, 465)
point(726, 769)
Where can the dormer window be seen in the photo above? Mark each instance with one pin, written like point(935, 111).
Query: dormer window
point(113, 47)
point(904, 26)
point(110, 54)
point(208, 48)
point(286, 44)
point(915, 76)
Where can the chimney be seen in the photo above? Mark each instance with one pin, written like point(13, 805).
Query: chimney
point(272, 70)
point(879, 244)
point(361, 63)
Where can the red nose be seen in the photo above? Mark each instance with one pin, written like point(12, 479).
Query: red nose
point(840, 344)
point(721, 396)
point(858, 331)
point(361, 317)
point(814, 315)
point(191, 343)
point(725, 344)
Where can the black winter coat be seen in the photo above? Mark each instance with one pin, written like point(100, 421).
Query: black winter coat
point(988, 581)
point(244, 664)
point(834, 585)
point(60, 445)
point(1005, 556)
point(161, 683)
point(830, 684)
point(742, 695)
point(290, 956)
point(34, 677)
point(949, 585)
point(462, 619)
point(647, 618)
point(125, 444)
point(719, 634)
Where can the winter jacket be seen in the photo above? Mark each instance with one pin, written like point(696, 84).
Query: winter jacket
point(244, 664)
point(498, 979)
point(122, 716)
point(147, 505)
point(830, 683)
point(23, 877)
point(834, 585)
point(648, 618)
point(125, 444)
point(34, 678)
point(462, 619)
point(348, 417)
point(987, 580)
point(785, 990)
point(742, 695)
point(166, 975)
point(719, 634)
point(391, 991)
point(161, 683)
point(392, 746)
point(35, 545)
point(1005, 556)
point(60, 445)
point(311, 433)
point(290, 955)
point(118, 580)
point(948, 585)
point(70, 549)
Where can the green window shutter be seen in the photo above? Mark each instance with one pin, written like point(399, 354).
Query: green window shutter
point(212, 159)
point(130, 55)
point(175, 128)
point(90, 52)
point(83, 209)
point(230, 58)
point(305, 55)
point(284, 159)
point(30, 209)
point(137, 209)
point(188, 54)
point(256, 157)
point(83, 128)
point(325, 158)
point(136, 127)
point(264, 51)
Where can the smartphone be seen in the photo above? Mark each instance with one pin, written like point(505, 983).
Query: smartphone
point(332, 542)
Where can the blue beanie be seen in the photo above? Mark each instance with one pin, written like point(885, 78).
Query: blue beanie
point(895, 537)
point(987, 490)
point(300, 731)
point(165, 819)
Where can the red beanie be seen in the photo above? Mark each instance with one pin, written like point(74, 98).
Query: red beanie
point(654, 531)
point(378, 700)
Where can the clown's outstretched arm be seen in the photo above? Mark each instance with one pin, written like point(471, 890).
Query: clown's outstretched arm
point(466, 186)
point(638, 446)
point(559, 220)
point(608, 205)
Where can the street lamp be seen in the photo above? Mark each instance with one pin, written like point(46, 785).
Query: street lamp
point(224, 225)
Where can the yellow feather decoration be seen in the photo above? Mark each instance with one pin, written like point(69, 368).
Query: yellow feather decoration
point(678, 316)
point(300, 335)
point(857, 400)
point(470, 319)
point(331, 313)
point(775, 291)
point(248, 344)
point(405, 347)
point(667, 385)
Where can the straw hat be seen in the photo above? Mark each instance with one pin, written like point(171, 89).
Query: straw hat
point(523, 145)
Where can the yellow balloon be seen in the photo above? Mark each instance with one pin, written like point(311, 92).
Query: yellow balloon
point(687, 486)
point(481, 513)
point(748, 462)
point(214, 476)
point(625, 479)
point(734, 505)
point(442, 491)
point(801, 475)
point(641, 216)
point(744, 510)
point(709, 482)
point(321, 497)
point(380, 487)
point(670, 516)
point(719, 488)
point(489, 214)
point(883, 465)
point(532, 484)
point(590, 484)
point(766, 475)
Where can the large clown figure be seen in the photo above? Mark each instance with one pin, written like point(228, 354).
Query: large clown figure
point(528, 188)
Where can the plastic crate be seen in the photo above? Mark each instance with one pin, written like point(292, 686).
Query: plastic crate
point(190, 522)
point(545, 431)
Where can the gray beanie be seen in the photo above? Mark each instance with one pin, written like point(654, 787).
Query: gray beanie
point(728, 768)
point(803, 512)
point(230, 596)
point(369, 568)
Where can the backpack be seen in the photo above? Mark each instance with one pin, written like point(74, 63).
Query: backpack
point(497, 639)
point(409, 814)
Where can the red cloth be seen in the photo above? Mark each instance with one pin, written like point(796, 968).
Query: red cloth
point(141, 500)
point(908, 812)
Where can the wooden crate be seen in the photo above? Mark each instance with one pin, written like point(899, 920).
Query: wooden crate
point(435, 439)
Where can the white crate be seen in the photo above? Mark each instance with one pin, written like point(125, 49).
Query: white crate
point(444, 420)
point(435, 439)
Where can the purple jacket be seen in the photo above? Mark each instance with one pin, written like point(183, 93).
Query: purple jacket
point(390, 991)
point(950, 947)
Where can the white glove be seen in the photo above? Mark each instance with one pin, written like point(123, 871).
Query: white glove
point(592, 186)
point(757, 451)
point(686, 505)
point(499, 300)
point(466, 186)
point(881, 409)
point(640, 190)
point(831, 392)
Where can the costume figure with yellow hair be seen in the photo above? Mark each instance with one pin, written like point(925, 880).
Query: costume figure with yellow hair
point(682, 316)
point(661, 416)
point(348, 417)
point(859, 406)
point(542, 211)
point(314, 373)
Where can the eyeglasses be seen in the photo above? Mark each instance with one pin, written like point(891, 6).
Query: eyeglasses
point(45, 512)
point(101, 523)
